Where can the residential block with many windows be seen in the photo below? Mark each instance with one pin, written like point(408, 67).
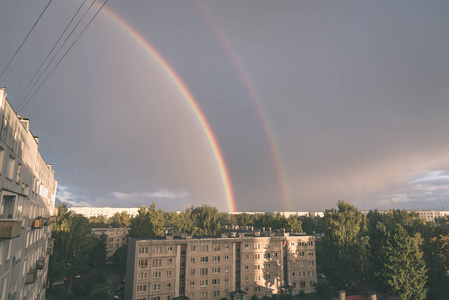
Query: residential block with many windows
point(236, 265)
point(27, 200)
point(116, 237)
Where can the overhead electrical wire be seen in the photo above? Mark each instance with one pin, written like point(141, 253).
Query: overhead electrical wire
point(23, 106)
point(23, 42)
point(56, 54)
point(48, 55)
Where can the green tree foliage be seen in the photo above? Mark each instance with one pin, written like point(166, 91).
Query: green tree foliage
point(147, 223)
point(206, 220)
point(294, 224)
point(398, 267)
point(98, 256)
point(344, 245)
point(436, 252)
point(119, 259)
point(98, 221)
point(120, 219)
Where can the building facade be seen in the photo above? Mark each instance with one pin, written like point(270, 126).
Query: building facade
point(116, 237)
point(89, 211)
point(236, 265)
point(27, 209)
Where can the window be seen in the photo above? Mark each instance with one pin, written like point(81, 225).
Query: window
point(301, 263)
point(203, 295)
point(170, 248)
point(227, 280)
point(157, 274)
point(193, 248)
point(204, 271)
point(266, 255)
point(169, 273)
point(19, 173)
point(256, 289)
point(192, 271)
point(12, 165)
point(142, 288)
point(192, 283)
point(143, 263)
point(169, 261)
point(167, 297)
point(256, 277)
point(215, 281)
point(204, 247)
point(246, 267)
point(192, 259)
point(204, 259)
point(310, 253)
point(226, 269)
point(142, 275)
point(256, 246)
point(226, 246)
point(256, 267)
point(311, 273)
point(267, 276)
point(216, 293)
point(257, 256)
point(157, 250)
point(216, 270)
point(2, 156)
point(275, 254)
point(204, 282)
point(302, 284)
point(226, 257)
point(266, 266)
point(246, 256)
point(294, 274)
point(265, 245)
point(216, 247)
point(246, 245)
point(7, 208)
point(155, 298)
point(144, 298)
point(310, 262)
point(156, 287)
point(246, 278)
point(168, 285)
point(293, 243)
point(216, 258)
point(301, 253)
point(157, 262)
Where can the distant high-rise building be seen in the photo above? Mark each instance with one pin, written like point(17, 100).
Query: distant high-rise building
point(28, 189)
point(89, 211)
point(236, 265)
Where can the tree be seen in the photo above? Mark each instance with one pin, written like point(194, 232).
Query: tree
point(294, 224)
point(344, 245)
point(98, 221)
point(436, 253)
point(98, 255)
point(120, 219)
point(398, 268)
point(141, 226)
point(206, 220)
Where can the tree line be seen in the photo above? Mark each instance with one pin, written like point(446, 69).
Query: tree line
point(393, 253)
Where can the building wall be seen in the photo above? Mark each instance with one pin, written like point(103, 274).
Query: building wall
point(27, 198)
point(116, 237)
point(251, 263)
point(108, 212)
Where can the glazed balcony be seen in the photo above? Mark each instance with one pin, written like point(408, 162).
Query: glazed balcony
point(31, 276)
point(10, 228)
point(37, 223)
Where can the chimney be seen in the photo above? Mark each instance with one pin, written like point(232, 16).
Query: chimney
point(342, 295)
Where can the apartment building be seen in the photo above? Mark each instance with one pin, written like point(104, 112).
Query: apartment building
point(237, 265)
point(89, 211)
point(116, 237)
point(27, 209)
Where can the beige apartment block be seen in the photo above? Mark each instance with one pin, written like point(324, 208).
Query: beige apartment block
point(27, 199)
point(237, 265)
point(116, 237)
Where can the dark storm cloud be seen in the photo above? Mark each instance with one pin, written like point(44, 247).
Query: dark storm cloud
point(355, 93)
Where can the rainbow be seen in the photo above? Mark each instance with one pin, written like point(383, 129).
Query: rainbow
point(139, 38)
point(263, 117)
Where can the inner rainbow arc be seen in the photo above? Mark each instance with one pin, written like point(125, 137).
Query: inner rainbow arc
point(227, 186)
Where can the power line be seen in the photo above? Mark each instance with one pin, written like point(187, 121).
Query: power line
point(64, 55)
point(57, 52)
point(49, 53)
point(25, 39)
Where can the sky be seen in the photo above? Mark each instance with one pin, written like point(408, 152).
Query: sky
point(243, 105)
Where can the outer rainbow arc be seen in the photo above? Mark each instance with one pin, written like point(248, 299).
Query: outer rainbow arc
point(190, 99)
point(279, 165)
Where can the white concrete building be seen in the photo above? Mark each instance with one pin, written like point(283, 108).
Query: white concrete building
point(27, 198)
point(108, 212)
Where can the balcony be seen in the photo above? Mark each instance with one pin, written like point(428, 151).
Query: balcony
point(37, 223)
point(31, 276)
point(40, 263)
point(10, 228)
